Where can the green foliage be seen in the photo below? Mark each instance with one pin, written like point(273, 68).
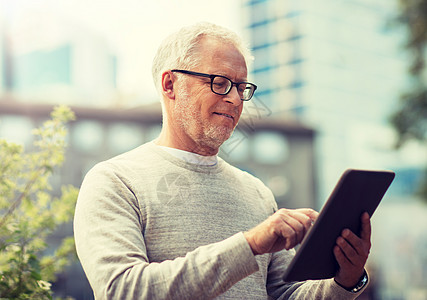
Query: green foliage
point(410, 119)
point(29, 213)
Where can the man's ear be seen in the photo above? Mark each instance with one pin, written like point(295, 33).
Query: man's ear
point(168, 81)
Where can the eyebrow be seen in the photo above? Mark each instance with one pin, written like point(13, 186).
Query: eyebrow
point(229, 77)
point(214, 72)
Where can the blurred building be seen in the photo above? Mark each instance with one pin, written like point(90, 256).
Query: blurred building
point(82, 71)
point(338, 67)
point(54, 61)
point(5, 71)
point(2, 58)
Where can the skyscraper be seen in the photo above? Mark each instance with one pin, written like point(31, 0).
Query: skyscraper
point(336, 66)
point(340, 67)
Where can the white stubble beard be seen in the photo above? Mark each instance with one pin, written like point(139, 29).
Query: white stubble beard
point(189, 118)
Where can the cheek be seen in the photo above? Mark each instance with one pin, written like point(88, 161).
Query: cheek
point(201, 101)
point(240, 112)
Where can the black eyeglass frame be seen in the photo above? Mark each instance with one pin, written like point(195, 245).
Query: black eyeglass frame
point(212, 77)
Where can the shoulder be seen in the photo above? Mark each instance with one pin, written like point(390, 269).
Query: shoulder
point(122, 169)
point(120, 179)
point(142, 156)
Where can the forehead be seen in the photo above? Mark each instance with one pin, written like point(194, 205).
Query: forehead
point(222, 58)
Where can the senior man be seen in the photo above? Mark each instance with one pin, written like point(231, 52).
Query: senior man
point(172, 220)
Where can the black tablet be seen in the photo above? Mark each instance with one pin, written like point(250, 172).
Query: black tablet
point(357, 191)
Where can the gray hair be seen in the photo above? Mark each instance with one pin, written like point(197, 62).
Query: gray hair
point(180, 50)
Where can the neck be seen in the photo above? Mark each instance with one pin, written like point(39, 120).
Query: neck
point(183, 142)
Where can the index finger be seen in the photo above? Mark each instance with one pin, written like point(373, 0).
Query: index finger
point(365, 233)
point(311, 213)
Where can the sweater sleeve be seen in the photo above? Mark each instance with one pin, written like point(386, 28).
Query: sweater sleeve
point(310, 289)
point(108, 233)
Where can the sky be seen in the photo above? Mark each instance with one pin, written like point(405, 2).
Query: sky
point(133, 29)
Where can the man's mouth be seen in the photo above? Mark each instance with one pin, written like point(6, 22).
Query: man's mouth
point(225, 115)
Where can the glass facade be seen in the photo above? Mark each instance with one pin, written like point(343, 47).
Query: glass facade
point(336, 71)
point(339, 67)
point(40, 69)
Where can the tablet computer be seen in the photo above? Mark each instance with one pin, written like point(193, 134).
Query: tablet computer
point(357, 191)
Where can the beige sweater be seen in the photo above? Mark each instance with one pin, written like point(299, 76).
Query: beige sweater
point(151, 226)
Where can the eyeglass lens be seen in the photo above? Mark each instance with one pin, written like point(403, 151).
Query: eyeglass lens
point(222, 85)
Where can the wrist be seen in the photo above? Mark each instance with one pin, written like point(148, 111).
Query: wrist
point(249, 239)
point(363, 281)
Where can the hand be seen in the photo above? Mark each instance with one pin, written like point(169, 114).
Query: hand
point(352, 252)
point(283, 230)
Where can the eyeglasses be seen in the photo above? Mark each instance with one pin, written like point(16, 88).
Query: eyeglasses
point(222, 85)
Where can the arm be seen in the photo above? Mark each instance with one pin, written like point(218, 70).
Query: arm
point(110, 243)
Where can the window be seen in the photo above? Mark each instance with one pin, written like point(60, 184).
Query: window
point(270, 147)
point(123, 137)
point(88, 136)
point(16, 129)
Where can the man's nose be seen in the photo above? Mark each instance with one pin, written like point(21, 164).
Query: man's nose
point(233, 97)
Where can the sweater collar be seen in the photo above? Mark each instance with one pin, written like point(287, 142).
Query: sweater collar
point(191, 157)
